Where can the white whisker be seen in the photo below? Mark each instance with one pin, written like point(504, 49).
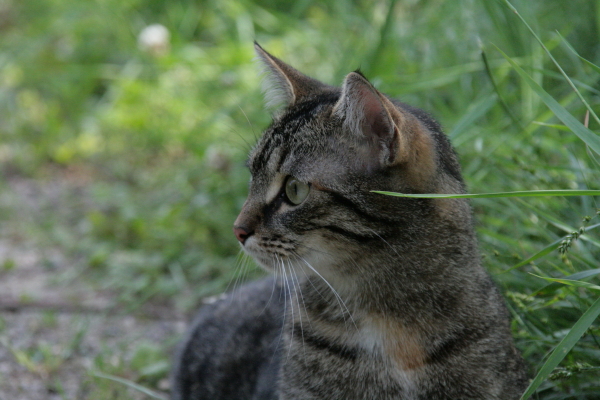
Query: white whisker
point(289, 290)
point(284, 307)
point(241, 263)
point(315, 250)
point(339, 299)
point(297, 288)
point(270, 297)
point(384, 241)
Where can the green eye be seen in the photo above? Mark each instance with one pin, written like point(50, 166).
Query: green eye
point(295, 190)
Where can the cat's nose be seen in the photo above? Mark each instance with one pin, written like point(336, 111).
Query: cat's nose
point(242, 233)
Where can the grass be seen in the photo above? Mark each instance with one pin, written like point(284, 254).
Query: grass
point(148, 148)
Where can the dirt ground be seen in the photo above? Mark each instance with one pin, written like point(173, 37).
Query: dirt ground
point(55, 333)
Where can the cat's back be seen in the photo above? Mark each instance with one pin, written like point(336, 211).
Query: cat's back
point(231, 351)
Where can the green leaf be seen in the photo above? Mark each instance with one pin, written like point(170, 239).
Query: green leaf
point(588, 62)
point(570, 282)
point(546, 290)
point(554, 61)
point(563, 348)
point(555, 126)
point(591, 64)
point(547, 250)
point(528, 193)
point(490, 75)
point(474, 112)
point(585, 134)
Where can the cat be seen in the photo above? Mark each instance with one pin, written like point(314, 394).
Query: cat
point(373, 296)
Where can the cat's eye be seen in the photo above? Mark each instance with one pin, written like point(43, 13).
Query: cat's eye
point(295, 190)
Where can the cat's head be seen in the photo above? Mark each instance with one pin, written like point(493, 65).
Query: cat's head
point(310, 203)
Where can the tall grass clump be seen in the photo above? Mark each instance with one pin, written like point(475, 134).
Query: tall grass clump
point(147, 147)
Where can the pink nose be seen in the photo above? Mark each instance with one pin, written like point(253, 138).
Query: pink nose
point(241, 234)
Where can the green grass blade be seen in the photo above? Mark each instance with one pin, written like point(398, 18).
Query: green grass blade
point(416, 82)
point(588, 62)
point(569, 282)
point(554, 75)
point(490, 75)
point(375, 60)
point(548, 289)
point(473, 114)
point(513, 9)
point(546, 250)
point(527, 193)
point(131, 384)
point(591, 64)
point(553, 126)
point(585, 134)
point(564, 347)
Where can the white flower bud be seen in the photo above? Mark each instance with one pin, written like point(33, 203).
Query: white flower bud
point(155, 39)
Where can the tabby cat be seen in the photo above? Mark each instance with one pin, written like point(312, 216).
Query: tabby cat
point(373, 297)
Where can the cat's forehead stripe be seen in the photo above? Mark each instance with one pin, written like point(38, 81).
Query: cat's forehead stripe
point(274, 188)
point(261, 154)
point(266, 155)
point(284, 129)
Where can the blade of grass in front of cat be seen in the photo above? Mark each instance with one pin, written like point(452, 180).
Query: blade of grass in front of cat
point(585, 134)
point(554, 61)
point(564, 347)
point(525, 193)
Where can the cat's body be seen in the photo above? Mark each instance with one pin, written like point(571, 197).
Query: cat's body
point(377, 297)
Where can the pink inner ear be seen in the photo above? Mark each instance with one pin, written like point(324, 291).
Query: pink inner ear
point(376, 120)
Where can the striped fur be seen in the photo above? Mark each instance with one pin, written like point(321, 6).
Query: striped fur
point(375, 297)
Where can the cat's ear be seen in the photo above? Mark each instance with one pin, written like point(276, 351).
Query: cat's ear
point(370, 115)
point(366, 116)
point(284, 85)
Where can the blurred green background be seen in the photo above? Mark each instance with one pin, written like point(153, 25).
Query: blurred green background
point(135, 151)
